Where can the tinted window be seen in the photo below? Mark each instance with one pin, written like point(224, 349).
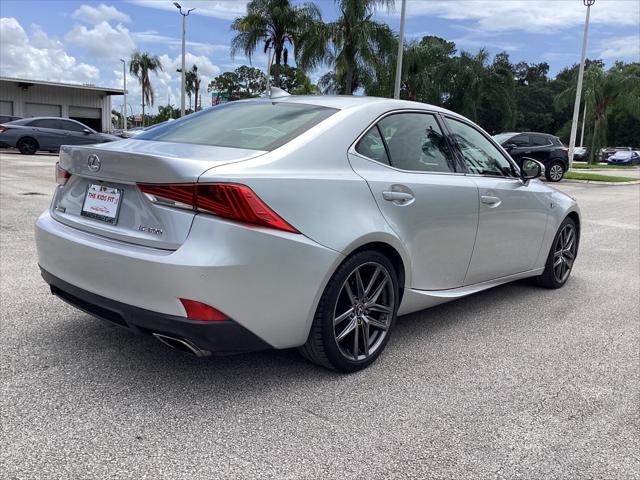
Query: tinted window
point(71, 126)
point(372, 146)
point(416, 143)
point(256, 125)
point(520, 140)
point(44, 123)
point(480, 155)
point(539, 140)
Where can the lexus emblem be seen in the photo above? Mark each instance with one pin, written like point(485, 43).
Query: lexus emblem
point(93, 161)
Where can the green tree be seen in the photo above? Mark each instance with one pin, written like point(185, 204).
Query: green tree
point(603, 92)
point(226, 83)
point(277, 24)
point(251, 80)
point(141, 65)
point(352, 43)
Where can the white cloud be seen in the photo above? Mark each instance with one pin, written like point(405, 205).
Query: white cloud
point(101, 13)
point(223, 9)
point(534, 16)
point(153, 36)
point(39, 57)
point(620, 48)
point(102, 40)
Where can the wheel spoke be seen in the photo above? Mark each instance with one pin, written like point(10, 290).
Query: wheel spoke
point(359, 285)
point(374, 277)
point(342, 317)
point(347, 330)
point(365, 337)
point(376, 323)
point(378, 291)
point(558, 259)
point(376, 307)
point(352, 299)
point(356, 340)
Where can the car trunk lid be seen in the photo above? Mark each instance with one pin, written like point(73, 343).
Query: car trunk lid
point(102, 196)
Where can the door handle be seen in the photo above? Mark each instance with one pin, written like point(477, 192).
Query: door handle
point(490, 200)
point(399, 197)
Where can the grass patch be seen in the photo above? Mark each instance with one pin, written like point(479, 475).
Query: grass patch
point(596, 177)
point(603, 166)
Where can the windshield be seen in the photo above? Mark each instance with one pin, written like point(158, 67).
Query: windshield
point(255, 125)
point(502, 137)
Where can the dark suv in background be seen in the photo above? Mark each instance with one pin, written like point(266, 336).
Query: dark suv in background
point(545, 148)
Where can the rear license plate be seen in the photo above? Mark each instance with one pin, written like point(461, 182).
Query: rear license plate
point(102, 203)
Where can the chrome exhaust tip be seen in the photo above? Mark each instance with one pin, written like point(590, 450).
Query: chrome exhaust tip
point(181, 344)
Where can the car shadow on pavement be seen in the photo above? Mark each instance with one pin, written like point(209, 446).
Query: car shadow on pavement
point(114, 354)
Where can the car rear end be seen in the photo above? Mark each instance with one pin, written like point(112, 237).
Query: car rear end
point(134, 236)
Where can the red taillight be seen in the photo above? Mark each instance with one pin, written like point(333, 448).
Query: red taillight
point(61, 175)
point(200, 311)
point(228, 200)
point(4, 129)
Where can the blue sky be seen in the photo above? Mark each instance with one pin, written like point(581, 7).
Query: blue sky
point(82, 41)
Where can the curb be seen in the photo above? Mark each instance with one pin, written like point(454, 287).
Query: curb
point(617, 184)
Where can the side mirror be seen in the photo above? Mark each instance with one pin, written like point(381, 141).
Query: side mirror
point(531, 169)
point(510, 146)
point(87, 131)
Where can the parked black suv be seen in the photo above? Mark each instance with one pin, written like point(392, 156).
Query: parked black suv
point(543, 147)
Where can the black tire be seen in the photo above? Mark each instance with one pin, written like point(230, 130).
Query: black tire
point(322, 347)
point(555, 172)
point(27, 146)
point(550, 277)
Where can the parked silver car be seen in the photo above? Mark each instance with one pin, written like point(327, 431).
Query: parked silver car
point(29, 135)
point(307, 222)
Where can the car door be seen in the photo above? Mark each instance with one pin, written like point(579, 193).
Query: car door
point(76, 133)
point(47, 133)
point(410, 169)
point(512, 216)
point(541, 148)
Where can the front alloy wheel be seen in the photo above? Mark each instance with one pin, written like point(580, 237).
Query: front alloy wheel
point(355, 315)
point(556, 172)
point(562, 255)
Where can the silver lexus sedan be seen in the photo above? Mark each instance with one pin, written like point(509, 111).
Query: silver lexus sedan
point(309, 222)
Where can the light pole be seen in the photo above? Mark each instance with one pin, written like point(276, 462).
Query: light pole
point(396, 89)
point(576, 107)
point(584, 120)
point(184, 36)
point(124, 80)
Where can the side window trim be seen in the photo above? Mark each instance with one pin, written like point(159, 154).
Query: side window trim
point(514, 168)
point(458, 169)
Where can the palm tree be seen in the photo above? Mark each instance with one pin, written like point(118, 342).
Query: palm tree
point(603, 92)
point(277, 23)
point(353, 42)
point(196, 84)
point(141, 65)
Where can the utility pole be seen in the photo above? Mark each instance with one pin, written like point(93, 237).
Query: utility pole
point(576, 107)
point(396, 89)
point(184, 52)
point(124, 80)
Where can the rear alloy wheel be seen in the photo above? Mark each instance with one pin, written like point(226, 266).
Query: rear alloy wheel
point(561, 257)
point(27, 146)
point(355, 315)
point(555, 173)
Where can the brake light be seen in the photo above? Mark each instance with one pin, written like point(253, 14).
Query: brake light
point(227, 200)
point(201, 311)
point(61, 175)
point(4, 129)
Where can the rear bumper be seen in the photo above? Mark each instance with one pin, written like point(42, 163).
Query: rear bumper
point(216, 337)
point(268, 282)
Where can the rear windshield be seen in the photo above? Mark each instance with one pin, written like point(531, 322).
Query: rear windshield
point(258, 125)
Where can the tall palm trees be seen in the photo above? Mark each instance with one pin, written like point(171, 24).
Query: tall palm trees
point(353, 42)
point(276, 23)
point(192, 82)
point(141, 65)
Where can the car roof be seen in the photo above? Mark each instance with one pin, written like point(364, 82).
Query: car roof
point(346, 102)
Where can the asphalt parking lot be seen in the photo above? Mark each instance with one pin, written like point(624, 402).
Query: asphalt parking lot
point(515, 382)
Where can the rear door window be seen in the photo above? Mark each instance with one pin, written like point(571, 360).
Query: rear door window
point(521, 141)
point(539, 141)
point(255, 125)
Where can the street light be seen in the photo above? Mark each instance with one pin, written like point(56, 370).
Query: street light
point(124, 80)
point(396, 88)
point(184, 35)
point(576, 107)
